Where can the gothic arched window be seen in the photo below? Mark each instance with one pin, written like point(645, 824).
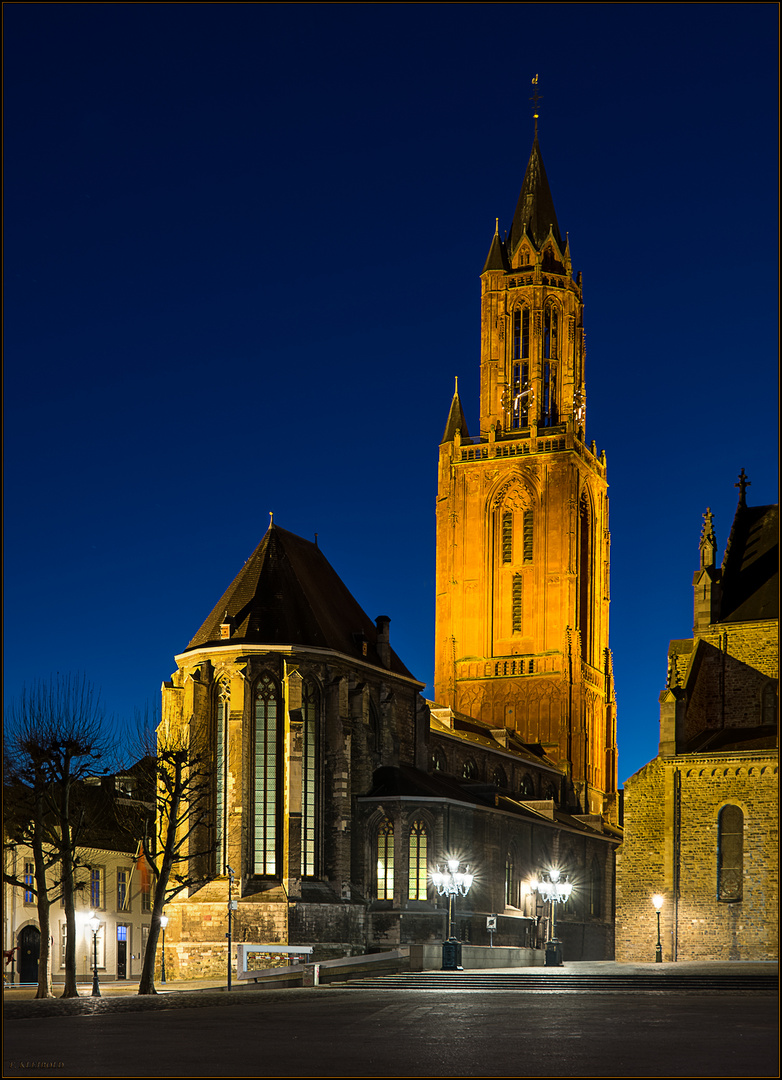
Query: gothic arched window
point(222, 704)
point(730, 854)
point(267, 781)
point(417, 864)
point(438, 760)
point(309, 780)
point(499, 779)
point(469, 770)
point(527, 788)
point(521, 333)
point(385, 860)
point(551, 333)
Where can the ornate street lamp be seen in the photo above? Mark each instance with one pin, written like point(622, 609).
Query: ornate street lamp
point(94, 925)
point(658, 900)
point(163, 925)
point(452, 883)
point(554, 889)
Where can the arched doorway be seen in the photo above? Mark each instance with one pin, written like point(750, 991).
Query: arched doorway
point(29, 952)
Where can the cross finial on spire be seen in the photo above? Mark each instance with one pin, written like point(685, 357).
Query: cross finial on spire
point(536, 97)
point(742, 485)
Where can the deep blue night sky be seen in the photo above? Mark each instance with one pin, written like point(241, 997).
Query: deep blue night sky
point(242, 258)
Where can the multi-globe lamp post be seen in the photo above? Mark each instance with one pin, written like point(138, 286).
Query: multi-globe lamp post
point(658, 900)
point(551, 887)
point(452, 882)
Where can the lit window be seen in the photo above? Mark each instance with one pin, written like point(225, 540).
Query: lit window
point(29, 878)
point(385, 861)
point(417, 862)
point(469, 770)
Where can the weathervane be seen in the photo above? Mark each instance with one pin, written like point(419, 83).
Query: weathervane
point(536, 97)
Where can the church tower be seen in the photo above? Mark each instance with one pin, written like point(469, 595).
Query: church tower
point(522, 517)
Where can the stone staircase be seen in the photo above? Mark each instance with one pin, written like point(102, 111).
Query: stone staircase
point(557, 983)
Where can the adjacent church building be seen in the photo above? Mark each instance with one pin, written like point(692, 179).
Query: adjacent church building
point(338, 789)
point(702, 818)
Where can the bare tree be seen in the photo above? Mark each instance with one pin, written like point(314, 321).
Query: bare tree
point(183, 836)
point(55, 737)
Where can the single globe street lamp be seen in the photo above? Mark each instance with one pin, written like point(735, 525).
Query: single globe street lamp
point(94, 925)
point(551, 887)
point(163, 925)
point(658, 902)
point(452, 882)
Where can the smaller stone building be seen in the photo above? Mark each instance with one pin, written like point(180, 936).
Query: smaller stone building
point(701, 819)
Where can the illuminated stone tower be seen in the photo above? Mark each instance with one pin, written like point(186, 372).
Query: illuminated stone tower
point(522, 517)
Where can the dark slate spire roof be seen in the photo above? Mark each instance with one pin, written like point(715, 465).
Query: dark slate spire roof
point(497, 258)
point(456, 421)
point(287, 593)
point(535, 208)
point(750, 569)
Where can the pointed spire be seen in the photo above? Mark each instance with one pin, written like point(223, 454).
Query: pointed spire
point(456, 421)
point(535, 208)
point(708, 542)
point(497, 259)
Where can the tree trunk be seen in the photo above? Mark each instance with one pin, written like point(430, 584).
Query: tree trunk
point(43, 903)
point(67, 855)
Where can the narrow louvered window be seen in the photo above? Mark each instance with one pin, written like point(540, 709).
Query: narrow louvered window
point(529, 522)
point(516, 603)
point(507, 538)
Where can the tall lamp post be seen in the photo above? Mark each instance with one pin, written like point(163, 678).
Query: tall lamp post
point(163, 925)
point(452, 882)
point(94, 925)
point(555, 889)
point(658, 900)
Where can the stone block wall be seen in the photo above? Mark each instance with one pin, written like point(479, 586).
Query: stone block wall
point(672, 808)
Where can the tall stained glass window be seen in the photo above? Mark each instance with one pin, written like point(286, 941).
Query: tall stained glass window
point(221, 767)
point(385, 860)
point(309, 781)
point(266, 786)
point(417, 866)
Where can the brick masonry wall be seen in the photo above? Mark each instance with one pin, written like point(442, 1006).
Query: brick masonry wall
point(695, 924)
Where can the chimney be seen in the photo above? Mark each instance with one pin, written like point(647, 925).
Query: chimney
point(383, 643)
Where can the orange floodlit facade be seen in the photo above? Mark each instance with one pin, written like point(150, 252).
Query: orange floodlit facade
point(522, 518)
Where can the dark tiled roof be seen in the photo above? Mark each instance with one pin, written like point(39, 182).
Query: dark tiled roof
point(535, 208)
point(750, 569)
point(456, 421)
point(287, 593)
